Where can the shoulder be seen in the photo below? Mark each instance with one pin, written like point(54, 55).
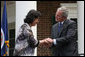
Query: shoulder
point(25, 29)
point(70, 22)
point(24, 26)
point(55, 25)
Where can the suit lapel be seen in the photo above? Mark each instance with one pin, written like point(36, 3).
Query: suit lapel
point(64, 25)
point(57, 30)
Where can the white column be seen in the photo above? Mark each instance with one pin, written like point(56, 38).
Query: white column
point(22, 8)
point(80, 27)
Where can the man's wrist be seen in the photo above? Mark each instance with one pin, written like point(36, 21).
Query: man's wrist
point(54, 41)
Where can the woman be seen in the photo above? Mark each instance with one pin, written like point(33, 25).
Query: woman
point(25, 42)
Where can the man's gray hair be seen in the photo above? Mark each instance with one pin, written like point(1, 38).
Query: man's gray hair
point(64, 11)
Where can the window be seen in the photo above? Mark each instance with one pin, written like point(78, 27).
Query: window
point(11, 41)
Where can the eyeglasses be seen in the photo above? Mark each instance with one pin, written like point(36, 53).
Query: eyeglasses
point(58, 16)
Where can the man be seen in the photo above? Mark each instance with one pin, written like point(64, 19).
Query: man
point(64, 35)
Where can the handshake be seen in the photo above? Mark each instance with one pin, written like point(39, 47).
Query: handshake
point(47, 42)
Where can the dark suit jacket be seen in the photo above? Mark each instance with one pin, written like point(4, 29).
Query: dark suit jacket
point(66, 40)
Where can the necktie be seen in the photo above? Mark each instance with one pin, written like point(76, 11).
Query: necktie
point(60, 26)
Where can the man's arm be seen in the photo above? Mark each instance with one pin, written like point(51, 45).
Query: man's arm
point(71, 35)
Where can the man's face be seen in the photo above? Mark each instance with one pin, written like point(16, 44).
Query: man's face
point(59, 17)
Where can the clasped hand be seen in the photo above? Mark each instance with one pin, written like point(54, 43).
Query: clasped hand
point(47, 42)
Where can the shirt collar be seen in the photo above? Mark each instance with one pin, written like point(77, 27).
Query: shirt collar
point(62, 22)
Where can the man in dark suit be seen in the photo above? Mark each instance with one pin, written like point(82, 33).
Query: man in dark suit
point(64, 35)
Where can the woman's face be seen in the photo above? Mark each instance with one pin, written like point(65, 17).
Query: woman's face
point(36, 21)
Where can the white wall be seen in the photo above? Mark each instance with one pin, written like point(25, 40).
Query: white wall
point(80, 26)
point(22, 8)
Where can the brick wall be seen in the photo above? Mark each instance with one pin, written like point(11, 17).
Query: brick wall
point(47, 9)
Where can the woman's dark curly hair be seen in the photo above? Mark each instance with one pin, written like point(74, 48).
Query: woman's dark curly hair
point(31, 16)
